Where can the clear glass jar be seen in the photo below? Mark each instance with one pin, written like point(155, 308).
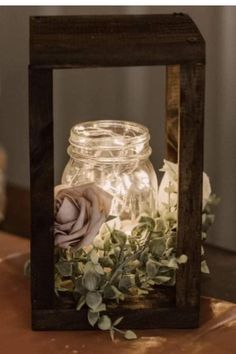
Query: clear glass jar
point(114, 155)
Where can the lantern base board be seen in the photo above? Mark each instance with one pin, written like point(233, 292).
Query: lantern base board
point(156, 310)
point(151, 318)
point(161, 296)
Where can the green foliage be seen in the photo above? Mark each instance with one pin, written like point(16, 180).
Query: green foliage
point(118, 265)
point(104, 323)
point(130, 335)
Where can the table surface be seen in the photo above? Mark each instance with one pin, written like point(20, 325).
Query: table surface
point(216, 334)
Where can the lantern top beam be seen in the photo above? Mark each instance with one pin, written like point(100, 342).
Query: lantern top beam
point(114, 40)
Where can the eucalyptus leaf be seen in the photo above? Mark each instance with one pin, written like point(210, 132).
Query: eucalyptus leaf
point(126, 282)
point(98, 268)
point(171, 215)
point(144, 255)
point(141, 292)
point(130, 335)
point(169, 251)
point(108, 292)
point(27, 268)
point(64, 268)
point(79, 287)
point(102, 307)
point(204, 267)
point(91, 280)
point(106, 261)
point(171, 242)
point(94, 256)
point(80, 303)
point(98, 242)
point(202, 251)
point(65, 285)
point(89, 266)
point(79, 253)
point(119, 237)
point(147, 221)
point(173, 263)
point(118, 294)
point(69, 254)
point(182, 259)
point(93, 317)
point(159, 225)
point(117, 251)
point(112, 334)
point(93, 299)
point(204, 236)
point(161, 279)
point(118, 320)
point(104, 323)
point(151, 269)
point(157, 246)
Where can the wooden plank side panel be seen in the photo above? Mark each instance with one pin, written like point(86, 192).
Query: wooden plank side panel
point(42, 181)
point(192, 84)
point(172, 111)
point(91, 41)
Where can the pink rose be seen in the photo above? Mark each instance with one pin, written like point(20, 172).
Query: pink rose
point(79, 213)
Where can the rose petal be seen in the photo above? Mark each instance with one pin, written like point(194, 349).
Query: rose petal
point(58, 188)
point(92, 232)
point(66, 240)
point(104, 199)
point(67, 212)
point(83, 205)
point(96, 218)
point(65, 228)
point(80, 211)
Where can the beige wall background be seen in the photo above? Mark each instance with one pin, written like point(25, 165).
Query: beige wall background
point(125, 93)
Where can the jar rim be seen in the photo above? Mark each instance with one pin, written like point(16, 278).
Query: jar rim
point(139, 131)
point(114, 136)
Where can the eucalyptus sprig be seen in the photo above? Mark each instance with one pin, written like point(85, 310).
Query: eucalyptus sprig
point(117, 266)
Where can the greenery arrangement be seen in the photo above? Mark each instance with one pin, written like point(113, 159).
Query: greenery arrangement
point(118, 263)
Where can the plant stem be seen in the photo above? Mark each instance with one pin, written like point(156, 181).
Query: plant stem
point(131, 258)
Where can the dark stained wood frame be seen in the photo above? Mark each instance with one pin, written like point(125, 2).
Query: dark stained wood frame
point(63, 42)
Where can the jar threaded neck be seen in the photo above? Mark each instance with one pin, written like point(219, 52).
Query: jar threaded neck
point(107, 141)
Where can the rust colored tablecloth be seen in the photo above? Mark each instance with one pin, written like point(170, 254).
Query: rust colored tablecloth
point(216, 335)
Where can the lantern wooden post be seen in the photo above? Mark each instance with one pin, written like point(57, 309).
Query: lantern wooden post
point(62, 42)
point(42, 181)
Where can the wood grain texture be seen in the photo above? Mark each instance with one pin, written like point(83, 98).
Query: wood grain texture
point(96, 41)
point(143, 318)
point(172, 111)
point(42, 182)
point(190, 159)
point(117, 40)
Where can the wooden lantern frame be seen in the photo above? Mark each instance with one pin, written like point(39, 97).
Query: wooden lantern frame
point(63, 42)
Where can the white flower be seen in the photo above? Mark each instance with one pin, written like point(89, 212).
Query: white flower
point(168, 188)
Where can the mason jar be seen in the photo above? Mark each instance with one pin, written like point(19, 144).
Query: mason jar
point(115, 156)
